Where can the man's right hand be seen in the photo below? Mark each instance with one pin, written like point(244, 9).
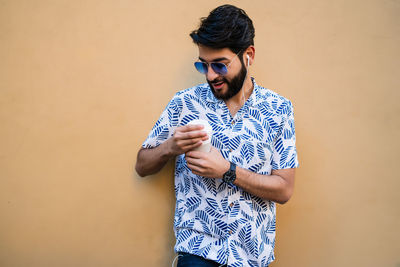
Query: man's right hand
point(186, 138)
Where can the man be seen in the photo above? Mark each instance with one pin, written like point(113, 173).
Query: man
point(225, 199)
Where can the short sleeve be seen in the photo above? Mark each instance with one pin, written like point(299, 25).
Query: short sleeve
point(285, 153)
point(165, 125)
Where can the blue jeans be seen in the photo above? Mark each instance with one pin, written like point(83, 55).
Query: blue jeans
point(189, 260)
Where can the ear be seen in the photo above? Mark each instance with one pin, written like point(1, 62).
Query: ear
point(250, 54)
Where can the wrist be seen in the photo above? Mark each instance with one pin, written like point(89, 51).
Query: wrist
point(225, 168)
point(230, 176)
point(167, 151)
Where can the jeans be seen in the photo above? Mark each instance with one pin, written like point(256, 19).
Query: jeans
point(189, 260)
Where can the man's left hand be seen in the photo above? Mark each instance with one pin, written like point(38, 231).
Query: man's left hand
point(211, 165)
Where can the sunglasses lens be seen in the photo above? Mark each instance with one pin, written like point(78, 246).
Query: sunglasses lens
point(219, 68)
point(201, 67)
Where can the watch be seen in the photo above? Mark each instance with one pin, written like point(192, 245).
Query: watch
point(230, 175)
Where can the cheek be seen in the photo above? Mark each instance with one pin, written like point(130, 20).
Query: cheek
point(232, 74)
point(228, 79)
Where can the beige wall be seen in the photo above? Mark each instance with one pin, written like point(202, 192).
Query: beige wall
point(82, 83)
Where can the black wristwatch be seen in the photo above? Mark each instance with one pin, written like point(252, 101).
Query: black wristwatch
point(230, 175)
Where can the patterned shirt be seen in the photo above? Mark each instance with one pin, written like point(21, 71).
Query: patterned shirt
point(213, 219)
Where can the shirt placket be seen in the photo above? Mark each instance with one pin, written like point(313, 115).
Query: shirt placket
point(233, 198)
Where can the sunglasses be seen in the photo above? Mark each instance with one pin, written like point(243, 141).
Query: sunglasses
point(217, 67)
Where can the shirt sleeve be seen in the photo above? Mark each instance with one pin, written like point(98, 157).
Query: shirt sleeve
point(285, 153)
point(165, 125)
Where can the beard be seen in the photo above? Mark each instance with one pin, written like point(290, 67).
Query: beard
point(234, 85)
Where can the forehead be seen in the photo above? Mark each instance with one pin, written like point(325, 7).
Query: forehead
point(210, 54)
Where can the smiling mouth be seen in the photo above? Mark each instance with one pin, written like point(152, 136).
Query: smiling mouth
point(218, 85)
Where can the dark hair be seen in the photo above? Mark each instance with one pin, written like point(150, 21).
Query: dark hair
point(226, 26)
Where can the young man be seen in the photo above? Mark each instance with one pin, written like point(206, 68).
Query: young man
point(225, 198)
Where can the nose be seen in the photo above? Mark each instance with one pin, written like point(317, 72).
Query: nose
point(211, 75)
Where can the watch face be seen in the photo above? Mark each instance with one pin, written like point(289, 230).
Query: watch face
point(229, 176)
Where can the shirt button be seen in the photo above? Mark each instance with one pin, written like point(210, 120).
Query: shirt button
point(231, 205)
point(230, 232)
point(232, 122)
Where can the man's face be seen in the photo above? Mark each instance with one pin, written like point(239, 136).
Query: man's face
point(228, 85)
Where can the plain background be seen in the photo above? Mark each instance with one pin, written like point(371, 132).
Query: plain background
point(83, 82)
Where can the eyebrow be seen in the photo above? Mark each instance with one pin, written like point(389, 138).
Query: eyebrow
point(215, 60)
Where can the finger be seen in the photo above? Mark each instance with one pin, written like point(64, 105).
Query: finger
point(194, 134)
point(192, 160)
point(189, 142)
point(195, 154)
point(195, 169)
point(185, 149)
point(197, 135)
point(191, 127)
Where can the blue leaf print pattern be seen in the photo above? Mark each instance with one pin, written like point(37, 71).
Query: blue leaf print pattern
point(203, 218)
point(234, 211)
point(252, 263)
point(211, 212)
point(238, 126)
point(190, 105)
point(247, 151)
point(234, 142)
point(235, 252)
point(245, 235)
point(192, 203)
point(188, 118)
point(284, 155)
point(261, 152)
point(214, 120)
point(259, 130)
point(221, 137)
point(163, 135)
point(251, 133)
point(213, 204)
point(256, 168)
point(220, 227)
point(195, 242)
point(220, 221)
point(205, 250)
point(210, 183)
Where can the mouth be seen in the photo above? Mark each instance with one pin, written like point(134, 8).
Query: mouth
point(218, 85)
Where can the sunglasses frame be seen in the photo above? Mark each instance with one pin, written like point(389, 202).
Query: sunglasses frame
point(214, 68)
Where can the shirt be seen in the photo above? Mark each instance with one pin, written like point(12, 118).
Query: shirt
point(213, 219)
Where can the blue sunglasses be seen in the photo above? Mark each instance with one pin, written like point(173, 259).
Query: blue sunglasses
point(217, 67)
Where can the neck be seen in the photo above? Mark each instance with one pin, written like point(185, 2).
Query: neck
point(237, 101)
